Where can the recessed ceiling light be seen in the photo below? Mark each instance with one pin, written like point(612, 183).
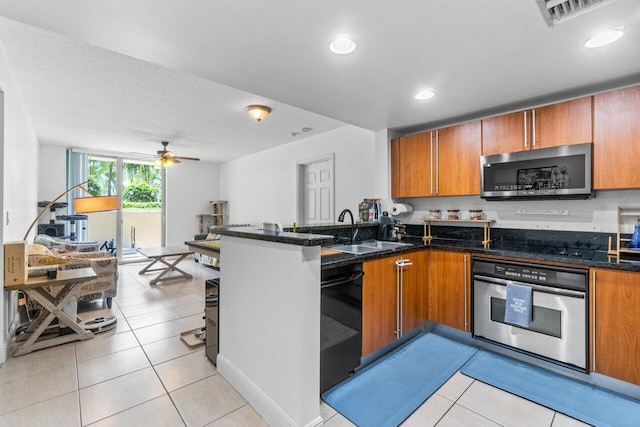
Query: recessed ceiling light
point(425, 94)
point(342, 46)
point(604, 38)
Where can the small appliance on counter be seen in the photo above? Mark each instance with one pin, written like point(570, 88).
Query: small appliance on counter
point(390, 229)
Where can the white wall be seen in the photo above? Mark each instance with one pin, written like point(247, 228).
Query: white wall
point(19, 155)
point(262, 186)
point(190, 188)
point(52, 179)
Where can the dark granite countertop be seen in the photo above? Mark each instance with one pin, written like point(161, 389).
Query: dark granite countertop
point(599, 258)
point(521, 244)
point(300, 239)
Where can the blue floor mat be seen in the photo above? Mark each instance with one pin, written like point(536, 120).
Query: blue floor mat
point(582, 401)
point(386, 392)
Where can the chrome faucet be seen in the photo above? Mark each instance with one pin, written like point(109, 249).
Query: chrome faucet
point(354, 231)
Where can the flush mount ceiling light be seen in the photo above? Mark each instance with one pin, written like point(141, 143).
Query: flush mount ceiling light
point(342, 46)
point(604, 38)
point(425, 94)
point(258, 112)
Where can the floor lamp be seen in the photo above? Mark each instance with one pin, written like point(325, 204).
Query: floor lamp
point(81, 205)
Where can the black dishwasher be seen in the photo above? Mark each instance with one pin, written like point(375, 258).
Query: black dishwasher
point(212, 318)
point(340, 323)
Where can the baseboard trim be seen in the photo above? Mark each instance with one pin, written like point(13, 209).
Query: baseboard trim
point(263, 404)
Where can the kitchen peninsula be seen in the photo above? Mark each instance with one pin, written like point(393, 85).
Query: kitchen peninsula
point(270, 322)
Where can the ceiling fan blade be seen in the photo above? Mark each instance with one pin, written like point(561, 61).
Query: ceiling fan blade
point(187, 158)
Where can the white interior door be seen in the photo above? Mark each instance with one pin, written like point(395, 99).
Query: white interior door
point(317, 191)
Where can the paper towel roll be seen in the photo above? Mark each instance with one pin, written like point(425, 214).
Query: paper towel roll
point(401, 208)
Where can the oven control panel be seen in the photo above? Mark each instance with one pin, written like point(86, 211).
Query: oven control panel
point(526, 273)
point(532, 273)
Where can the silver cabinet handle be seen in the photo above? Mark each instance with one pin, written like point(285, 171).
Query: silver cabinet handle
point(533, 128)
point(398, 307)
point(593, 320)
point(466, 321)
point(437, 162)
point(525, 130)
point(431, 162)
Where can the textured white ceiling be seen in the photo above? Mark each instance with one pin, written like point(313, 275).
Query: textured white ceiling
point(216, 57)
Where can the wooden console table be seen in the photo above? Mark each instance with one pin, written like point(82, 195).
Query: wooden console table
point(38, 289)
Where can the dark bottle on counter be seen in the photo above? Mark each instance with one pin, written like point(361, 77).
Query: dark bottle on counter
point(634, 243)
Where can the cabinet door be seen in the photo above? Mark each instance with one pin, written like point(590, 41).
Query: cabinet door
point(458, 168)
point(564, 123)
point(617, 324)
point(411, 166)
point(378, 304)
point(616, 151)
point(414, 291)
point(449, 288)
point(505, 133)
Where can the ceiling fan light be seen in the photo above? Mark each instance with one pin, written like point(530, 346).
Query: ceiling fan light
point(165, 162)
point(258, 112)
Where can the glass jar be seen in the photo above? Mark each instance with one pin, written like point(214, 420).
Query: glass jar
point(475, 213)
point(453, 214)
point(434, 214)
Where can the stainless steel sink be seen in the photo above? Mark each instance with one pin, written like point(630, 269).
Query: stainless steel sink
point(355, 249)
point(368, 247)
point(385, 245)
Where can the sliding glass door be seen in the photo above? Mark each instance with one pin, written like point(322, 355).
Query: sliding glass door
point(141, 207)
point(139, 222)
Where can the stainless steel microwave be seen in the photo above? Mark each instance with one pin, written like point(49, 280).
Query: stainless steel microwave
point(562, 172)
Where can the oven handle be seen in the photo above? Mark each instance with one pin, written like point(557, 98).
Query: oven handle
point(341, 280)
point(537, 288)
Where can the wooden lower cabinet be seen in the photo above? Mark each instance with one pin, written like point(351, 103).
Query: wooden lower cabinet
point(380, 299)
point(615, 322)
point(449, 289)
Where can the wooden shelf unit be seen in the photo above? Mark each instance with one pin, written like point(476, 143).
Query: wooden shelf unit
point(484, 223)
point(619, 251)
point(217, 215)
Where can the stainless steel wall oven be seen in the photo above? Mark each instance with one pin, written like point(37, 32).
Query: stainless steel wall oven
point(558, 330)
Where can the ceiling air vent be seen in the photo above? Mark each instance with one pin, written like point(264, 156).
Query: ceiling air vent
point(555, 12)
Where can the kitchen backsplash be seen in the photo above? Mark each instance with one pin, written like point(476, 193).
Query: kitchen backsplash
point(594, 215)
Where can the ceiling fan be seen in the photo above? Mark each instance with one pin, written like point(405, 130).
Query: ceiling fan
point(167, 158)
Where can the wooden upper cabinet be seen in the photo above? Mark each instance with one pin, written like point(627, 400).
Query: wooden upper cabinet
point(616, 130)
point(504, 134)
point(458, 171)
point(564, 123)
point(411, 166)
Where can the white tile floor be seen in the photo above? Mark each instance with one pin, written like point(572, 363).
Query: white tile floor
point(141, 373)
